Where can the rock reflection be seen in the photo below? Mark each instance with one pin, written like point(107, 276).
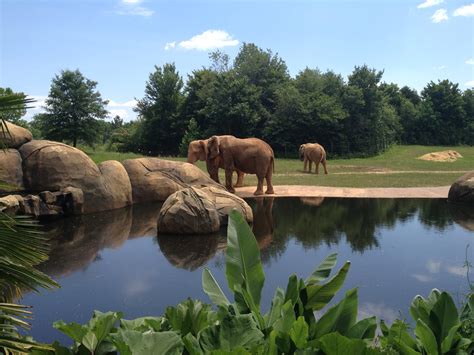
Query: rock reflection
point(463, 215)
point(191, 251)
point(77, 241)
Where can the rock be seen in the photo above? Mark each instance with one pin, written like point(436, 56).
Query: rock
point(462, 190)
point(11, 170)
point(154, 179)
point(226, 202)
point(116, 183)
point(463, 214)
point(145, 216)
point(31, 205)
point(10, 204)
point(189, 211)
point(53, 166)
point(15, 136)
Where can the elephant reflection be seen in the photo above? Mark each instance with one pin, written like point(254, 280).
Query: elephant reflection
point(263, 221)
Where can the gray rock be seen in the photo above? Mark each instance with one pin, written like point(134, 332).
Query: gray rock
point(11, 170)
point(462, 190)
point(14, 136)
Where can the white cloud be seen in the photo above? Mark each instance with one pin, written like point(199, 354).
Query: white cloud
point(170, 45)
point(124, 114)
point(469, 83)
point(433, 266)
point(439, 16)
point(470, 61)
point(456, 270)
point(467, 10)
point(377, 309)
point(131, 103)
point(209, 39)
point(131, 7)
point(429, 3)
point(422, 278)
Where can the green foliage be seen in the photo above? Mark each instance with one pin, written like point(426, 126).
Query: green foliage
point(14, 105)
point(73, 110)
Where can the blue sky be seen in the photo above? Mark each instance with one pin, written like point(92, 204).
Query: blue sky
point(117, 42)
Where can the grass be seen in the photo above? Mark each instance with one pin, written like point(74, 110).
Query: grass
point(398, 167)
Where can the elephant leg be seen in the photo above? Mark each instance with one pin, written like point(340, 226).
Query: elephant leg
point(317, 167)
point(228, 180)
point(310, 166)
point(305, 164)
point(268, 177)
point(324, 166)
point(240, 179)
point(259, 190)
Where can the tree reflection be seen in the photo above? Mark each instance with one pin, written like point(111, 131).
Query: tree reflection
point(77, 242)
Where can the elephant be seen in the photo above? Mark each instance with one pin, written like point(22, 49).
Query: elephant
point(197, 150)
point(313, 152)
point(248, 155)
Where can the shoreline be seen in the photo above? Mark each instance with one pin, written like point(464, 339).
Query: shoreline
point(349, 192)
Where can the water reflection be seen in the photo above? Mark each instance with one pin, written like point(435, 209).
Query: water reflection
point(78, 241)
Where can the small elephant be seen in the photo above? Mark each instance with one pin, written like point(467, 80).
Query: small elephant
point(197, 150)
point(248, 155)
point(313, 152)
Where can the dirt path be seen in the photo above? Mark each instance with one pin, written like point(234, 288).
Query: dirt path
point(381, 172)
point(324, 191)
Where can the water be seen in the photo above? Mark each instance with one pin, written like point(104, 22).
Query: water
point(398, 248)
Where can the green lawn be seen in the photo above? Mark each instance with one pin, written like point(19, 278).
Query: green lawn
point(398, 167)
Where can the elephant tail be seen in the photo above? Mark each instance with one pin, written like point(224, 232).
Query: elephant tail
point(273, 164)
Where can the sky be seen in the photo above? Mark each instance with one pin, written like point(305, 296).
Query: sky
point(118, 42)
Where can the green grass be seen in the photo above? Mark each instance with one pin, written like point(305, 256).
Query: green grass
point(398, 167)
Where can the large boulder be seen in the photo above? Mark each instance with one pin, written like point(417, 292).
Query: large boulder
point(53, 166)
point(226, 202)
point(10, 167)
point(189, 211)
point(155, 179)
point(462, 190)
point(14, 136)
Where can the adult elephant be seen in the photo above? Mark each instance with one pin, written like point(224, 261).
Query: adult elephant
point(248, 155)
point(197, 150)
point(313, 152)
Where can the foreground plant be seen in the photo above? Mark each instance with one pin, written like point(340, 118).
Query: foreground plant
point(290, 326)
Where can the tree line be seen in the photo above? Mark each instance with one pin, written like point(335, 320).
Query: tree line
point(254, 96)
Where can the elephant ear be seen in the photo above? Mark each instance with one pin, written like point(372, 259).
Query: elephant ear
point(213, 147)
point(203, 150)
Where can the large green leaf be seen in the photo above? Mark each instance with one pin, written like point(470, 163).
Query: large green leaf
point(320, 295)
point(448, 342)
point(212, 288)
point(337, 344)
point(143, 324)
point(426, 338)
point(189, 316)
point(231, 333)
point(73, 330)
point(323, 270)
point(364, 329)
point(132, 342)
point(243, 264)
point(299, 333)
point(287, 317)
point(339, 318)
point(446, 316)
point(275, 310)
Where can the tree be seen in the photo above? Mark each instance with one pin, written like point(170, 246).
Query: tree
point(163, 125)
point(266, 71)
point(73, 109)
point(192, 133)
point(443, 119)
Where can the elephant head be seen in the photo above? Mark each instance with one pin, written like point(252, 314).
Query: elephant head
point(213, 147)
point(197, 150)
point(302, 147)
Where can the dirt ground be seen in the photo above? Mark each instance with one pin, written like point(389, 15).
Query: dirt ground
point(324, 191)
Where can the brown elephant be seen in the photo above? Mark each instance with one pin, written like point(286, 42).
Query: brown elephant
point(249, 155)
point(197, 150)
point(313, 152)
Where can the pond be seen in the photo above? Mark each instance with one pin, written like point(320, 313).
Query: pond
point(114, 261)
